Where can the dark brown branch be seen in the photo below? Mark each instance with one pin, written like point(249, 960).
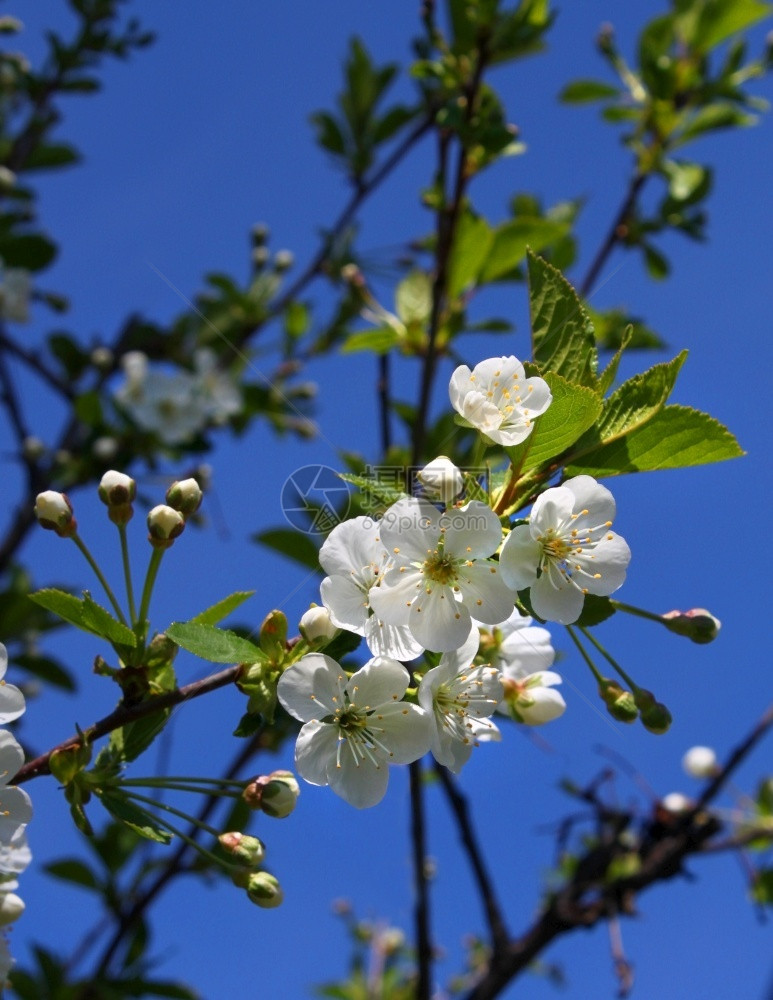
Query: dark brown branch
point(123, 715)
point(585, 901)
point(460, 807)
point(421, 909)
point(617, 233)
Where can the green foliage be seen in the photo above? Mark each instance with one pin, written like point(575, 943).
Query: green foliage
point(85, 614)
point(136, 818)
point(222, 609)
point(213, 644)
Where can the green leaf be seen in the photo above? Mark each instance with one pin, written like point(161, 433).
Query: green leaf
point(687, 182)
point(75, 871)
point(32, 252)
point(563, 340)
point(380, 340)
point(713, 117)
point(46, 669)
point(762, 887)
point(609, 374)
point(85, 614)
point(584, 91)
point(513, 239)
point(222, 609)
point(292, 544)
point(676, 437)
point(214, 644)
point(413, 299)
point(44, 157)
point(133, 739)
point(720, 19)
point(249, 724)
point(656, 262)
point(632, 404)
point(99, 620)
point(470, 250)
point(134, 817)
point(595, 610)
point(374, 487)
point(573, 410)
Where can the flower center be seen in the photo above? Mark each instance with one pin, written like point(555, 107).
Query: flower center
point(439, 568)
point(554, 546)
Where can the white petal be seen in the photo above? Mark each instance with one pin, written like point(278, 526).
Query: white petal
point(407, 731)
point(590, 495)
point(379, 681)
point(472, 531)
point(3, 660)
point(562, 603)
point(15, 812)
point(552, 509)
point(525, 651)
point(537, 397)
point(346, 602)
point(312, 687)
point(315, 751)
point(11, 757)
point(360, 782)
point(546, 705)
point(457, 660)
point(481, 413)
point(395, 641)
point(352, 546)
point(485, 592)
point(409, 529)
point(519, 558)
point(610, 559)
point(438, 621)
point(391, 599)
point(12, 703)
point(459, 385)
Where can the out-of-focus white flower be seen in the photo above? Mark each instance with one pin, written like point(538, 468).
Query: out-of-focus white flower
point(518, 646)
point(15, 805)
point(15, 289)
point(532, 698)
point(441, 480)
point(168, 405)
point(11, 908)
point(498, 399)
point(459, 698)
point(354, 727)
point(700, 762)
point(355, 560)
point(441, 577)
point(218, 393)
point(566, 550)
point(12, 703)
point(676, 802)
point(104, 448)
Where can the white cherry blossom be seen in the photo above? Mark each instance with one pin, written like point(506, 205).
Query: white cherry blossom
point(355, 560)
point(566, 550)
point(498, 399)
point(459, 698)
point(441, 575)
point(532, 698)
point(441, 480)
point(12, 703)
point(15, 805)
point(354, 727)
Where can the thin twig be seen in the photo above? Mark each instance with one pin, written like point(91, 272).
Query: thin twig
point(421, 910)
point(617, 232)
point(460, 807)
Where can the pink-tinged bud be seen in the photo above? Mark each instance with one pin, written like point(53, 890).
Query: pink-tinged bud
point(700, 762)
point(264, 890)
point(164, 524)
point(276, 794)
point(11, 908)
point(116, 489)
point(441, 480)
point(54, 512)
point(185, 496)
point(697, 624)
point(316, 627)
point(247, 850)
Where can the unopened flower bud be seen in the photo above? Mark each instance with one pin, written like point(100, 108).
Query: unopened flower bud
point(441, 480)
point(10, 25)
point(102, 358)
point(7, 179)
point(283, 260)
point(164, 524)
point(185, 496)
point(116, 488)
point(260, 233)
point(700, 762)
point(105, 448)
point(620, 703)
point(54, 512)
point(264, 890)
point(11, 908)
point(675, 802)
point(275, 794)
point(260, 257)
point(697, 624)
point(315, 625)
point(33, 448)
point(247, 850)
point(656, 718)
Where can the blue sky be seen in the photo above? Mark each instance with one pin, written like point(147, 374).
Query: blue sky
point(206, 133)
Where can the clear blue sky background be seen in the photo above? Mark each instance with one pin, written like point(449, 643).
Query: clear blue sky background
point(206, 133)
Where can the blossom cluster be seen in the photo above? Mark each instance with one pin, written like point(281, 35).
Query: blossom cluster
point(177, 406)
point(15, 814)
point(440, 577)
